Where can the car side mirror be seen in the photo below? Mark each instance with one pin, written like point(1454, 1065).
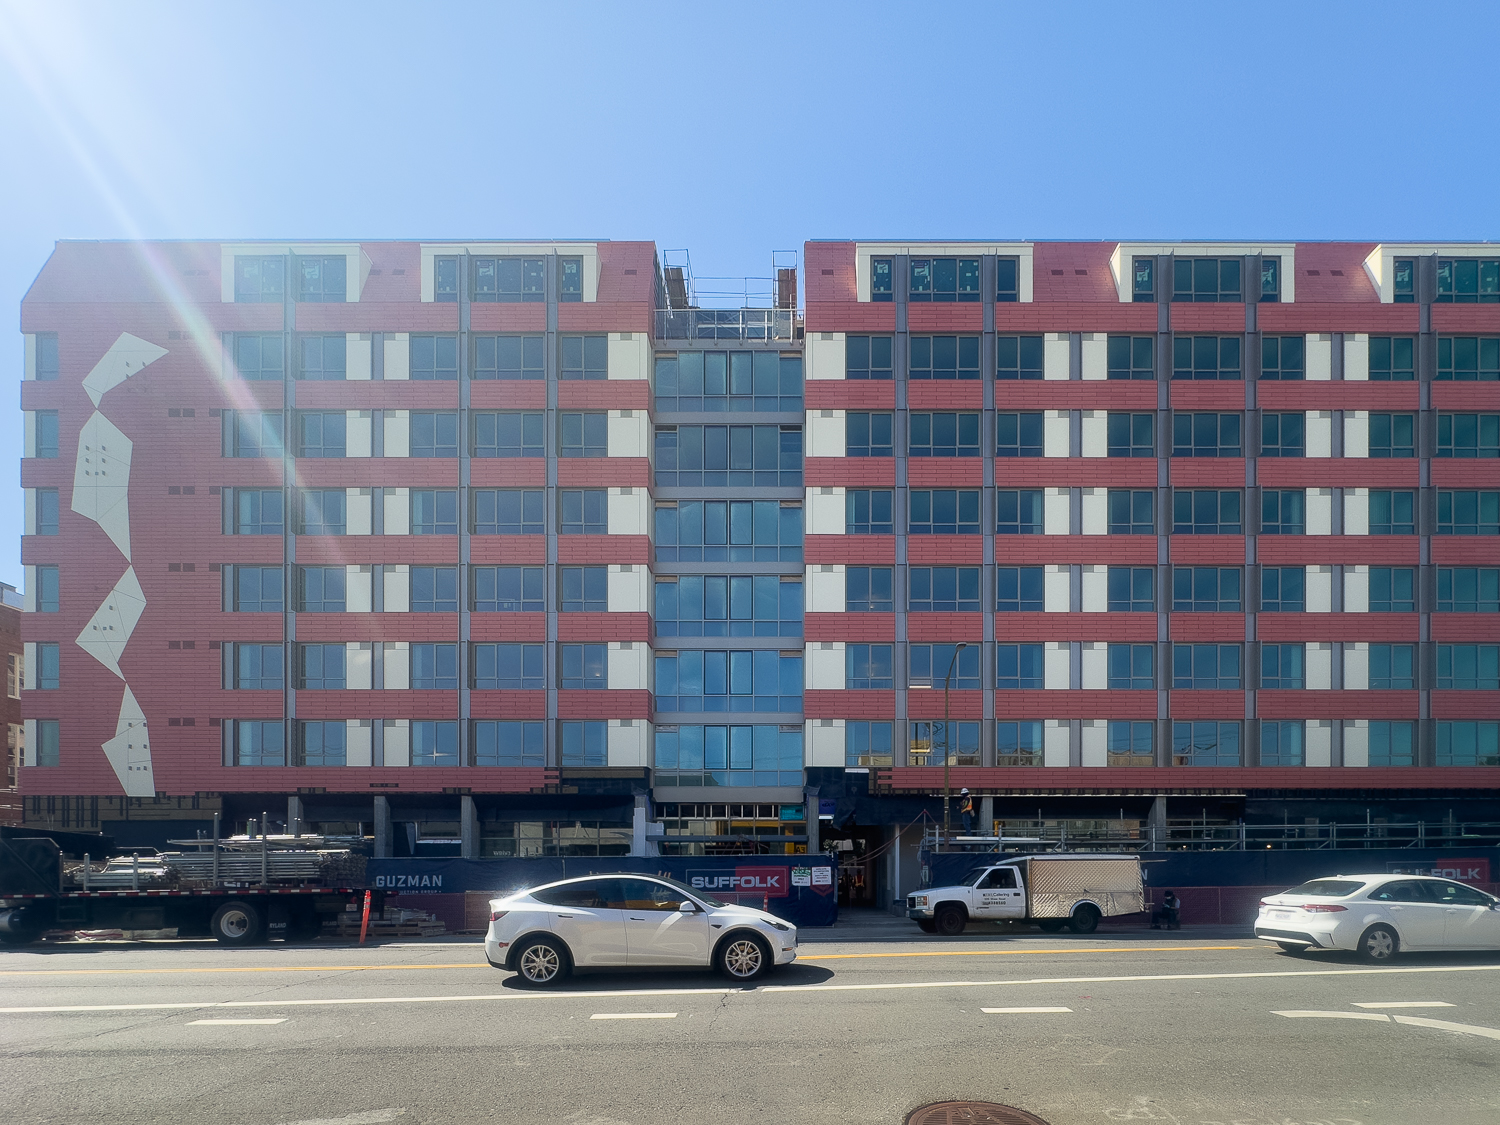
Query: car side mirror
point(687, 907)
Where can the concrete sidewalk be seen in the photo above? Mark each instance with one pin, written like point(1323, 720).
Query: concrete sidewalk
point(878, 925)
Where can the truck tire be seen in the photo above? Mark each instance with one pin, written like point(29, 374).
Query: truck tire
point(1085, 919)
point(238, 923)
point(1051, 925)
point(951, 920)
point(927, 925)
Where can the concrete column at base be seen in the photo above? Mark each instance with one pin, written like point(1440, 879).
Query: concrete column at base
point(382, 828)
point(986, 816)
point(294, 815)
point(468, 828)
point(1156, 823)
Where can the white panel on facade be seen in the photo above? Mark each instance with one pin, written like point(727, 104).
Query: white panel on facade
point(825, 433)
point(1356, 589)
point(129, 751)
point(1095, 742)
point(1319, 356)
point(358, 433)
point(629, 434)
point(629, 588)
point(1318, 742)
point(629, 511)
point(1095, 438)
point(357, 741)
point(396, 587)
point(1055, 742)
point(629, 666)
point(629, 355)
point(628, 745)
point(1056, 511)
point(825, 588)
point(1319, 589)
point(126, 357)
point(397, 356)
point(1356, 666)
point(1095, 355)
point(1356, 357)
point(1319, 511)
point(825, 511)
point(1055, 427)
point(1057, 665)
point(396, 510)
point(1057, 583)
point(825, 666)
point(28, 742)
point(28, 524)
point(1319, 665)
point(825, 744)
point(1095, 670)
point(359, 665)
point(1095, 502)
point(1357, 742)
point(101, 479)
point(1319, 433)
point(823, 358)
point(1356, 511)
point(358, 583)
point(108, 630)
point(28, 596)
point(28, 356)
point(28, 664)
point(1055, 355)
point(1096, 589)
point(358, 349)
point(358, 511)
point(397, 742)
point(396, 433)
point(396, 665)
point(1356, 433)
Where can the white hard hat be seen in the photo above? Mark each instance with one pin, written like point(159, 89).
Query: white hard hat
point(963, 792)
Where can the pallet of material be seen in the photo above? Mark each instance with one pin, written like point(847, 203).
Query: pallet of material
point(393, 929)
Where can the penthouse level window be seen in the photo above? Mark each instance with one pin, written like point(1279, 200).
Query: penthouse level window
point(1404, 281)
point(445, 280)
point(721, 382)
point(1468, 281)
point(882, 280)
point(259, 279)
point(510, 280)
point(944, 280)
point(1143, 281)
point(1208, 280)
point(322, 280)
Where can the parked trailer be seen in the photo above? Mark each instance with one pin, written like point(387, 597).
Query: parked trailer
point(1051, 891)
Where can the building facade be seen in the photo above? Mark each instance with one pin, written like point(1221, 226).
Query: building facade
point(502, 548)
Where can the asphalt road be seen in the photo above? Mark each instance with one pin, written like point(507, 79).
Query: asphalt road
point(1185, 1027)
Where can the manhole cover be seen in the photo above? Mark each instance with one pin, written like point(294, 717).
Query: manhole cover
point(971, 1113)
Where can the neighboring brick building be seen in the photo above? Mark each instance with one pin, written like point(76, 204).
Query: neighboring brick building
point(1215, 520)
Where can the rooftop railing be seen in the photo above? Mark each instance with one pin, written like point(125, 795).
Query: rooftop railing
point(728, 324)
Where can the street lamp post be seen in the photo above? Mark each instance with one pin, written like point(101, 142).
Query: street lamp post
point(948, 745)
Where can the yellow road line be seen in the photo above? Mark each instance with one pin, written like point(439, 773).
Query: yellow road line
point(1020, 952)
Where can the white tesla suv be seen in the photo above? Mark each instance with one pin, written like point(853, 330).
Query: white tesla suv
point(631, 921)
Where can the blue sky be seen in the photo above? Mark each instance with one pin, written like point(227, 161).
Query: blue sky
point(733, 130)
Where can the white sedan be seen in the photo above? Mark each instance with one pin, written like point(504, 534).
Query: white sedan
point(634, 922)
point(1378, 916)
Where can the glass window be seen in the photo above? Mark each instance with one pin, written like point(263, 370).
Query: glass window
point(716, 605)
point(720, 382)
point(323, 743)
point(1468, 435)
point(1283, 435)
point(1393, 589)
point(1205, 744)
point(510, 357)
point(585, 357)
point(434, 589)
point(1270, 280)
point(253, 589)
point(1206, 667)
point(585, 667)
point(324, 358)
point(585, 511)
point(1394, 513)
point(728, 531)
point(1019, 589)
point(257, 742)
point(868, 512)
point(510, 589)
point(1470, 281)
point(434, 743)
point(48, 668)
point(760, 680)
point(1206, 357)
point(729, 456)
point(1131, 743)
point(1204, 589)
point(1132, 511)
point(1392, 744)
point(948, 511)
point(930, 664)
point(1468, 744)
point(867, 744)
point(46, 434)
point(930, 741)
point(585, 435)
point(1283, 511)
point(322, 280)
point(323, 512)
point(259, 280)
point(508, 435)
point(254, 667)
point(256, 511)
point(732, 755)
point(1283, 357)
point(1131, 357)
point(1463, 512)
point(322, 589)
point(509, 511)
point(1143, 280)
point(1132, 435)
point(445, 280)
point(867, 435)
point(510, 280)
point(322, 667)
point(585, 589)
point(434, 511)
point(1467, 589)
point(944, 589)
point(1391, 359)
point(1132, 589)
point(1392, 435)
point(245, 434)
point(868, 667)
point(1007, 280)
point(1018, 435)
point(1283, 589)
point(1468, 359)
point(46, 357)
point(259, 358)
point(585, 743)
point(882, 287)
point(1018, 743)
point(46, 589)
point(1206, 511)
point(1281, 743)
point(1018, 512)
point(434, 433)
point(867, 357)
point(570, 280)
point(1205, 435)
point(510, 667)
point(944, 435)
point(1018, 357)
point(320, 433)
point(944, 280)
point(1393, 667)
point(509, 743)
point(1283, 666)
point(1207, 279)
point(1468, 667)
point(867, 589)
point(434, 667)
point(1132, 667)
point(944, 357)
point(48, 742)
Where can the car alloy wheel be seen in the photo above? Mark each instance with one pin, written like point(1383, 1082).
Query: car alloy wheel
point(744, 958)
point(540, 963)
point(1378, 944)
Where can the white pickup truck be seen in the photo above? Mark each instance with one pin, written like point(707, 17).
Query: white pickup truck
point(1051, 890)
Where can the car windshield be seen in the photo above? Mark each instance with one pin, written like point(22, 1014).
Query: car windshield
point(973, 877)
point(694, 891)
point(1326, 888)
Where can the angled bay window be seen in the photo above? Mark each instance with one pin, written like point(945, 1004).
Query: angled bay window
point(1391, 359)
point(944, 511)
point(868, 667)
point(1131, 511)
point(1393, 589)
point(434, 511)
point(1468, 435)
point(867, 435)
point(324, 512)
point(867, 357)
point(322, 743)
point(245, 433)
point(868, 512)
point(1018, 743)
point(1206, 357)
point(509, 667)
point(510, 280)
point(1283, 435)
point(585, 511)
point(1283, 666)
point(1393, 667)
point(930, 663)
point(944, 280)
point(867, 744)
point(1018, 357)
point(584, 589)
point(1018, 435)
point(1206, 667)
point(1205, 744)
point(254, 511)
point(433, 358)
point(1392, 744)
point(1206, 435)
point(1468, 744)
point(760, 680)
point(584, 435)
point(728, 531)
point(322, 667)
point(1018, 589)
point(1283, 589)
point(867, 589)
point(260, 280)
point(1468, 667)
point(434, 589)
point(1208, 280)
point(1468, 359)
point(510, 357)
point(321, 589)
point(509, 511)
point(1132, 667)
point(1393, 435)
point(1131, 589)
point(1206, 511)
point(323, 358)
point(509, 589)
point(1283, 511)
point(1463, 512)
point(729, 456)
point(1132, 435)
point(1394, 512)
point(944, 357)
point(1130, 743)
point(1468, 281)
point(585, 357)
point(259, 358)
point(944, 435)
point(944, 589)
point(322, 280)
point(1204, 589)
point(930, 741)
point(321, 433)
point(716, 605)
point(1018, 667)
point(1468, 589)
point(509, 435)
point(1281, 742)
point(250, 589)
point(1131, 357)
point(1283, 357)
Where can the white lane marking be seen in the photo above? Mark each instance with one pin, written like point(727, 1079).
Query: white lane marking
point(634, 1016)
point(1020, 1011)
point(1378, 1017)
point(1444, 1025)
point(369, 1117)
point(764, 989)
point(1403, 1004)
point(199, 1023)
